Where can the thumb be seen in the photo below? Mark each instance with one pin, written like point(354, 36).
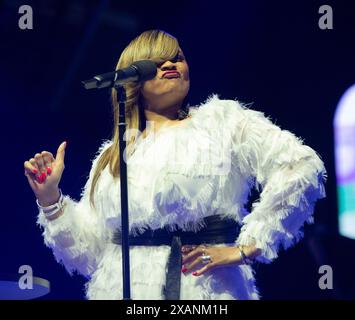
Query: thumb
point(31, 181)
point(61, 152)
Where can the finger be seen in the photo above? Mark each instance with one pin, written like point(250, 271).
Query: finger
point(40, 164)
point(48, 156)
point(30, 173)
point(61, 152)
point(48, 160)
point(29, 168)
point(33, 162)
point(39, 161)
point(204, 269)
point(193, 264)
point(31, 180)
point(188, 248)
point(193, 254)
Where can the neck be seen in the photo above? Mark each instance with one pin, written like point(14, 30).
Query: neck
point(160, 118)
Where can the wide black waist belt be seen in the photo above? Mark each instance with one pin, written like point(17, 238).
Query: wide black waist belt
point(216, 230)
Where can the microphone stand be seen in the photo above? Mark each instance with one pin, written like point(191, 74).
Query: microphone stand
point(121, 94)
point(141, 70)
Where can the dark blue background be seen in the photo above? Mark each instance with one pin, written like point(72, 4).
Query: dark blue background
point(270, 53)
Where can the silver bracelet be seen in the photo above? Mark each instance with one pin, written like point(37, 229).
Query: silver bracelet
point(244, 257)
point(51, 210)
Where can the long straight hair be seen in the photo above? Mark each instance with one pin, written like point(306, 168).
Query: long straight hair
point(157, 46)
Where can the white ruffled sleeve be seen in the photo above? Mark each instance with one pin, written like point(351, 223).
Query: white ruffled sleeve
point(76, 237)
point(291, 176)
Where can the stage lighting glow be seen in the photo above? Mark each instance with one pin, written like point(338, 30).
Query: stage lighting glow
point(344, 133)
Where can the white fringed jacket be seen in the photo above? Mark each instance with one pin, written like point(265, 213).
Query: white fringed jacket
point(176, 178)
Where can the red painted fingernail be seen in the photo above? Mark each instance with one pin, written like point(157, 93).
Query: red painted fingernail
point(35, 171)
point(194, 273)
point(39, 179)
point(184, 269)
point(43, 176)
point(49, 170)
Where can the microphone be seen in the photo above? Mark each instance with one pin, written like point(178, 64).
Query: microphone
point(142, 70)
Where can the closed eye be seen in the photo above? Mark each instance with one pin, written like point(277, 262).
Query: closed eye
point(179, 57)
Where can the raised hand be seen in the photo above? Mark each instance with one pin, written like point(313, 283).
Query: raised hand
point(44, 173)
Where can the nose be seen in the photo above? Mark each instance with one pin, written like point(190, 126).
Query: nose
point(168, 65)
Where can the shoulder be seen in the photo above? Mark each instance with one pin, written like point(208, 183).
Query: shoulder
point(230, 112)
point(213, 104)
point(105, 145)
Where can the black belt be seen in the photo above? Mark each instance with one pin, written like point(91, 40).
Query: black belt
point(216, 230)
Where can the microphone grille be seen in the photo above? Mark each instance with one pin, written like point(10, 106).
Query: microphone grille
point(146, 69)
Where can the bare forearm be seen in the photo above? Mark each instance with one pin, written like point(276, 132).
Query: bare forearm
point(251, 251)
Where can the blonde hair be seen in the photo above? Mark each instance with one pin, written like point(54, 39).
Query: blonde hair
point(155, 45)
